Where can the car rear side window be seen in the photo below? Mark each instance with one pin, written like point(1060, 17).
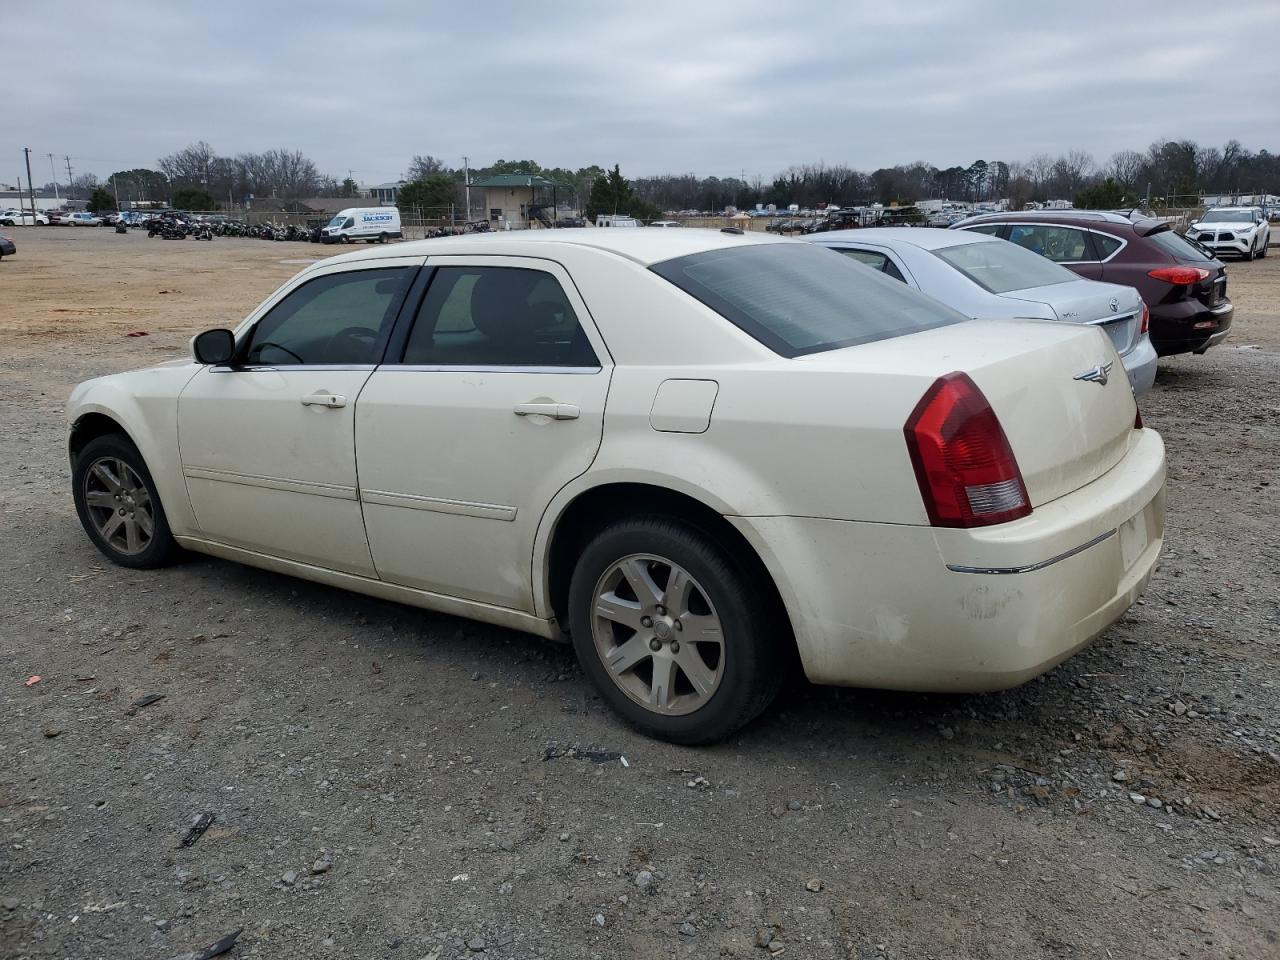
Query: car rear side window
point(876, 261)
point(998, 266)
point(497, 317)
point(1170, 242)
point(802, 298)
point(1106, 244)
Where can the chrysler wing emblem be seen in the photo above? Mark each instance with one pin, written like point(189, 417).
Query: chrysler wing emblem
point(1098, 374)
point(1115, 304)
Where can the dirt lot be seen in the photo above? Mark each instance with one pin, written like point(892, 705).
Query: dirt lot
point(393, 784)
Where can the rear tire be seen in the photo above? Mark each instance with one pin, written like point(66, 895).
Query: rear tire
point(680, 638)
point(118, 505)
point(382, 238)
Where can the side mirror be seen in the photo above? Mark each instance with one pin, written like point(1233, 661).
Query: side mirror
point(213, 346)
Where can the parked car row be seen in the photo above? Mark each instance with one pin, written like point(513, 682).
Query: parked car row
point(1183, 285)
point(709, 454)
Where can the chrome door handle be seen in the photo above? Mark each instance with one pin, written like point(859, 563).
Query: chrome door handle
point(330, 400)
point(556, 411)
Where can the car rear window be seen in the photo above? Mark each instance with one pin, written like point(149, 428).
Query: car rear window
point(800, 298)
point(1000, 266)
point(1179, 246)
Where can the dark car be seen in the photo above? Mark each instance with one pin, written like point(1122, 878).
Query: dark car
point(1183, 285)
point(7, 247)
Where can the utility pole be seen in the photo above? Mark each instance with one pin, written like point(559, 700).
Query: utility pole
point(53, 173)
point(466, 179)
point(31, 187)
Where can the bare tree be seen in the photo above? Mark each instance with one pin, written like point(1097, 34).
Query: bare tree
point(423, 166)
point(190, 165)
point(1125, 166)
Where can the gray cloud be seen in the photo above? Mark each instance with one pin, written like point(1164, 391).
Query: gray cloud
point(710, 88)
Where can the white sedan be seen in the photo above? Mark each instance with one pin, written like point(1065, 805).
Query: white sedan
point(983, 276)
point(702, 455)
point(18, 218)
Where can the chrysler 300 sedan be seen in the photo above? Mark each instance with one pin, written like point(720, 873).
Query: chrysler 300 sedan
point(699, 455)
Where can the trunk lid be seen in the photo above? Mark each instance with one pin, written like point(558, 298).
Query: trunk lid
point(1065, 432)
point(1115, 309)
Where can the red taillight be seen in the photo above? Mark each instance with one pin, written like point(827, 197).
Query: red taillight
point(1146, 318)
point(966, 470)
point(1180, 275)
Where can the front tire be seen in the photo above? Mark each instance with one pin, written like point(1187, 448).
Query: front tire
point(118, 505)
point(680, 638)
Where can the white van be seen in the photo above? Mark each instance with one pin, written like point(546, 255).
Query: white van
point(373, 224)
point(616, 220)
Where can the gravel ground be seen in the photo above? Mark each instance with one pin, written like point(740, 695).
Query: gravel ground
point(390, 783)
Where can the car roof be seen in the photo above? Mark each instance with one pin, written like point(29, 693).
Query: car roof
point(1098, 216)
point(645, 247)
point(926, 238)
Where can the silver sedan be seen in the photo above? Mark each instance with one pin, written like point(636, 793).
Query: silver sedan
point(987, 278)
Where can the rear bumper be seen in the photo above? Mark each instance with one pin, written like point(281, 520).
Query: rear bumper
point(923, 608)
point(1140, 364)
point(1189, 326)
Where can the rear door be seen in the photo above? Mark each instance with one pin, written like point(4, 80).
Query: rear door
point(492, 403)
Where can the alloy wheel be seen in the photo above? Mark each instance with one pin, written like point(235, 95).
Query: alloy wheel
point(119, 505)
point(658, 634)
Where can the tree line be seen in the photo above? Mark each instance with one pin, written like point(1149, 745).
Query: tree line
point(1171, 171)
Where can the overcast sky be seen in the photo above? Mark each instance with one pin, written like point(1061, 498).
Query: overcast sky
point(698, 87)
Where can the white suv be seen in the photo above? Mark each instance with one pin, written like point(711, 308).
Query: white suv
point(1239, 230)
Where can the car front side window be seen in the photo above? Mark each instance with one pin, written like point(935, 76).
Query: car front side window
point(497, 317)
point(336, 319)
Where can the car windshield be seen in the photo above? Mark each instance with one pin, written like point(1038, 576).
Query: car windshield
point(798, 299)
point(336, 221)
point(1228, 216)
point(999, 266)
point(1180, 247)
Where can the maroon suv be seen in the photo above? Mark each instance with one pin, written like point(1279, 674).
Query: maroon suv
point(1184, 286)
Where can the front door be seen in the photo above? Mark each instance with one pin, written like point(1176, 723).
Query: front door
point(495, 402)
point(268, 442)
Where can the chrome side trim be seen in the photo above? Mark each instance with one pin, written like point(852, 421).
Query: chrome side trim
point(463, 368)
point(290, 367)
point(332, 490)
point(1031, 567)
point(467, 508)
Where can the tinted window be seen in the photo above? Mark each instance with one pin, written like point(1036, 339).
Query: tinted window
point(874, 260)
point(877, 261)
point(1170, 242)
point(1228, 216)
point(999, 267)
point(802, 298)
point(1060, 244)
point(497, 317)
point(1106, 244)
point(991, 229)
point(339, 318)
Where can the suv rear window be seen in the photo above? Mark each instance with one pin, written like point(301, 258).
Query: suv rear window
point(1180, 247)
point(1000, 266)
point(800, 298)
